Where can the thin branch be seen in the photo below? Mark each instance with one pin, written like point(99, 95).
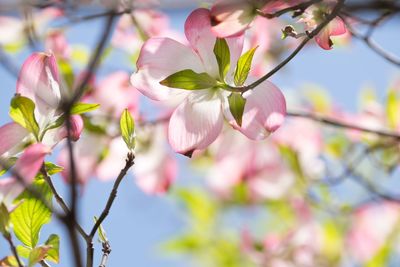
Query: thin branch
point(128, 164)
point(13, 248)
point(61, 201)
point(106, 252)
point(94, 62)
point(43, 263)
point(375, 47)
point(299, 9)
point(341, 124)
point(78, 93)
point(306, 39)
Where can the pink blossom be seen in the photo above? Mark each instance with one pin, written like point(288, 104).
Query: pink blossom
point(232, 17)
point(371, 226)
point(114, 94)
point(314, 16)
point(153, 24)
point(26, 166)
point(12, 29)
point(257, 164)
point(57, 44)
point(197, 121)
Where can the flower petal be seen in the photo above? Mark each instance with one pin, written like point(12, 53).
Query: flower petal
point(28, 165)
point(11, 135)
point(201, 38)
point(264, 111)
point(196, 123)
point(10, 188)
point(39, 81)
point(159, 58)
point(231, 17)
point(158, 180)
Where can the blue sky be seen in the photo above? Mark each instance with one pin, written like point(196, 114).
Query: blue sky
point(139, 222)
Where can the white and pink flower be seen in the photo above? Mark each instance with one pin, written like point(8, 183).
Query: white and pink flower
point(198, 120)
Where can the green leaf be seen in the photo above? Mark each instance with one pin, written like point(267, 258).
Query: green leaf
point(52, 168)
point(9, 261)
point(243, 67)
point(236, 106)
point(189, 80)
point(102, 234)
point(127, 126)
point(22, 112)
point(223, 56)
point(53, 254)
point(23, 251)
point(37, 254)
point(80, 108)
point(29, 217)
point(4, 220)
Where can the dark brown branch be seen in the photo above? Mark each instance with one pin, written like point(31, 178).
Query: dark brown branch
point(298, 9)
point(61, 201)
point(43, 263)
point(13, 248)
point(306, 39)
point(128, 164)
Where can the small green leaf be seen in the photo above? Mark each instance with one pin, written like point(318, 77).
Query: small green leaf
point(22, 112)
point(127, 126)
point(189, 80)
point(53, 254)
point(243, 67)
point(102, 234)
point(80, 108)
point(23, 251)
point(236, 106)
point(37, 254)
point(223, 56)
point(4, 220)
point(29, 217)
point(52, 168)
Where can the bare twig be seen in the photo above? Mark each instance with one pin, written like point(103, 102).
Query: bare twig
point(43, 263)
point(306, 39)
point(340, 124)
point(299, 9)
point(13, 248)
point(61, 201)
point(128, 164)
point(106, 252)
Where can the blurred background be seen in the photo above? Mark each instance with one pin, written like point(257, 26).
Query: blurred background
point(145, 229)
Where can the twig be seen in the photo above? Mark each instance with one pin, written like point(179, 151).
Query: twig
point(106, 252)
point(128, 164)
point(13, 248)
point(341, 124)
point(299, 9)
point(375, 47)
point(66, 107)
point(306, 39)
point(61, 201)
point(43, 263)
point(94, 62)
